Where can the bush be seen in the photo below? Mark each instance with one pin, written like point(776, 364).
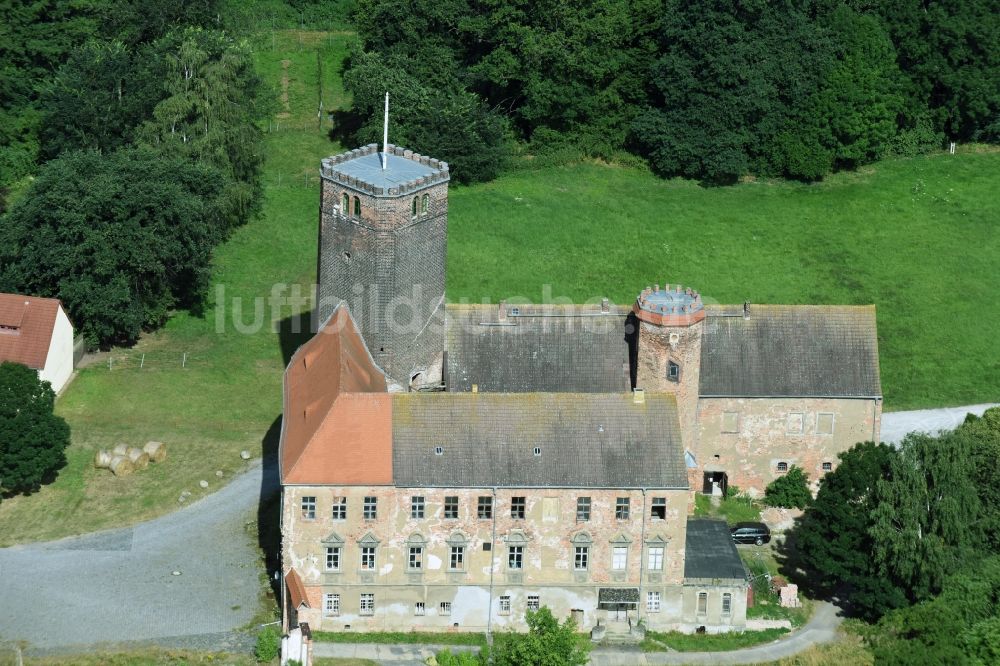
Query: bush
point(268, 644)
point(33, 440)
point(449, 658)
point(790, 491)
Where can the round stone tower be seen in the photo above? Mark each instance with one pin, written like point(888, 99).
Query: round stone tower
point(669, 355)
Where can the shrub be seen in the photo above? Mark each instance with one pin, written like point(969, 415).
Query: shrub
point(449, 658)
point(789, 491)
point(268, 644)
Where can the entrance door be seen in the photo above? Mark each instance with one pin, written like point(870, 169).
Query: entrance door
point(713, 480)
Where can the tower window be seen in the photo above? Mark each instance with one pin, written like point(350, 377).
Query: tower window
point(345, 208)
point(357, 206)
point(414, 212)
point(673, 371)
point(424, 204)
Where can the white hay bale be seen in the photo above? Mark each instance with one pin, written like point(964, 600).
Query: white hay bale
point(157, 451)
point(102, 459)
point(138, 458)
point(120, 450)
point(121, 466)
point(203, 483)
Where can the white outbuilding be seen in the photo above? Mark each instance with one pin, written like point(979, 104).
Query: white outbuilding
point(37, 333)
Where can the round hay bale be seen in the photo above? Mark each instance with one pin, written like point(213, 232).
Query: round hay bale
point(120, 450)
point(102, 459)
point(121, 466)
point(157, 451)
point(139, 458)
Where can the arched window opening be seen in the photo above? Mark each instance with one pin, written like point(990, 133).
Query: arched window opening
point(702, 603)
point(345, 208)
point(357, 206)
point(414, 212)
point(424, 204)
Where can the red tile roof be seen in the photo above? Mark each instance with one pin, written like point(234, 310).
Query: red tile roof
point(26, 324)
point(337, 421)
point(296, 590)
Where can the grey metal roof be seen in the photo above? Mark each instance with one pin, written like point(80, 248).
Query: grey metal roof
point(399, 170)
point(791, 350)
point(710, 551)
point(552, 348)
point(587, 440)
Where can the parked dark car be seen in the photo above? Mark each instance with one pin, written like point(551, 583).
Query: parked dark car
point(757, 533)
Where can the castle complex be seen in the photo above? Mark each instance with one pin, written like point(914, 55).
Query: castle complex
point(452, 466)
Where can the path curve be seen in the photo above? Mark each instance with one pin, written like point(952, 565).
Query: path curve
point(118, 585)
point(896, 425)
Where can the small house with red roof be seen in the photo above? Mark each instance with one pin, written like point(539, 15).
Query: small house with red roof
point(37, 333)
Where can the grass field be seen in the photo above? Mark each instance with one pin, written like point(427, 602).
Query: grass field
point(401, 637)
point(916, 237)
point(658, 641)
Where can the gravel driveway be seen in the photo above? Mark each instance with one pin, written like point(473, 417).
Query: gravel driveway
point(895, 425)
point(118, 585)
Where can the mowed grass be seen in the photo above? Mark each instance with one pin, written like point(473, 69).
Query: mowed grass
point(227, 396)
point(916, 237)
point(919, 238)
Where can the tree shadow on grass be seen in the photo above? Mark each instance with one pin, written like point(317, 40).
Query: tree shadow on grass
point(269, 507)
point(792, 567)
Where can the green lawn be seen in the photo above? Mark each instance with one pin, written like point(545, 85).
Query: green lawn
point(735, 509)
point(916, 237)
point(657, 641)
point(402, 637)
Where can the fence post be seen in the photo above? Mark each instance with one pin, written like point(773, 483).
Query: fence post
point(142, 361)
point(184, 360)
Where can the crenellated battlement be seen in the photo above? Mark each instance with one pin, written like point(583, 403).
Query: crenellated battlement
point(669, 307)
point(405, 172)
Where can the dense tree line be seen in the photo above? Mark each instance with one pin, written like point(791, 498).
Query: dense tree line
point(711, 90)
point(140, 120)
point(908, 535)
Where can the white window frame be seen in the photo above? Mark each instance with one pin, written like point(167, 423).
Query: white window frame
point(504, 605)
point(581, 558)
point(515, 554)
point(534, 602)
point(655, 558)
point(417, 507)
point(420, 608)
point(331, 604)
point(415, 558)
point(727, 604)
point(338, 510)
point(334, 558)
point(366, 604)
point(308, 505)
point(370, 508)
point(444, 608)
point(460, 552)
point(652, 602)
point(701, 609)
point(619, 558)
point(369, 552)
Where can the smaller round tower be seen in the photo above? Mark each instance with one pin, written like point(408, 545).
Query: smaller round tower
point(669, 354)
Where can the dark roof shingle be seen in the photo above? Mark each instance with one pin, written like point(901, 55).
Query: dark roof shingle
point(556, 348)
point(709, 551)
point(587, 440)
point(791, 350)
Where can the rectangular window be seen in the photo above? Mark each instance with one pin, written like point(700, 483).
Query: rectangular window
point(583, 509)
point(622, 508)
point(827, 467)
point(730, 421)
point(505, 605)
point(656, 558)
point(371, 508)
point(485, 507)
point(824, 424)
point(451, 507)
point(416, 507)
point(727, 604)
point(456, 561)
point(419, 608)
point(582, 556)
point(416, 560)
point(309, 507)
point(702, 603)
point(517, 505)
point(534, 603)
point(515, 557)
point(659, 509)
point(367, 604)
point(673, 371)
point(619, 557)
point(368, 557)
point(339, 508)
point(794, 424)
point(331, 605)
point(333, 559)
point(653, 602)
point(444, 608)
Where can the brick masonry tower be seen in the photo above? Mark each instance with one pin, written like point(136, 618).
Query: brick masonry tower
point(383, 239)
point(669, 355)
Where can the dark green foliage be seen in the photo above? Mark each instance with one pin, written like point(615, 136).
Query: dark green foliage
point(120, 238)
point(452, 125)
point(32, 439)
point(790, 491)
point(927, 513)
point(268, 645)
point(959, 626)
point(547, 643)
point(833, 537)
point(449, 658)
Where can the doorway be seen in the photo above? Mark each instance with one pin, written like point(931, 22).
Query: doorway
point(715, 483)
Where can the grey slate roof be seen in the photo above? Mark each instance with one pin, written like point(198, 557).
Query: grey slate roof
point(790, 350)
point(587, 440)
point(399, 170)
point(574, 348)
point(710, 551)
